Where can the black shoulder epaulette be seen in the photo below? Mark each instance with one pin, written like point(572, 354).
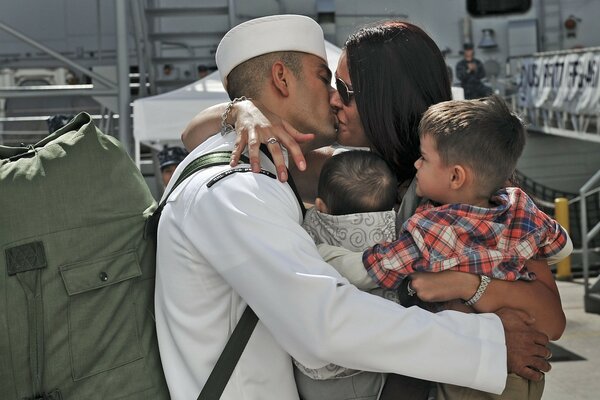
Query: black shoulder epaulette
point(225, 174)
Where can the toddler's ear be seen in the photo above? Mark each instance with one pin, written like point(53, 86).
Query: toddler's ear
point(458, 176)
point(321, 206)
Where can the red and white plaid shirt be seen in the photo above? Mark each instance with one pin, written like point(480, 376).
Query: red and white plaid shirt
point(485, 241)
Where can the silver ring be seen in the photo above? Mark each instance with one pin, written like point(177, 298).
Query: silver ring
point(272, 140)
point(411, 291)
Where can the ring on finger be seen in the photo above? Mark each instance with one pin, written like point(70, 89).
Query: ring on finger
point(410, 290)
point(272, 140)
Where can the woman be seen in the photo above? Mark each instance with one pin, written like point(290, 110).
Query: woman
point(387, 76)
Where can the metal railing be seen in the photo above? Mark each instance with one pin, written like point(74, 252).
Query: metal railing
point(548, 117)
point(591, 295)
point(545, 198)
point(107, 87)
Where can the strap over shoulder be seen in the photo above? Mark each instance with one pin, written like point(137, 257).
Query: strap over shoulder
point(202, 162)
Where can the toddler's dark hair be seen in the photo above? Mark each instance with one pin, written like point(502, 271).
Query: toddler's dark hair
point(357, 181)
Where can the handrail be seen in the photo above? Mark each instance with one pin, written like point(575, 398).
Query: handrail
point(57, 55)
point(585, 235)
point(140, 45)
point(125, 135)
point(55, 91)
point(39, 118)
point(578, 198)
point(555, 53)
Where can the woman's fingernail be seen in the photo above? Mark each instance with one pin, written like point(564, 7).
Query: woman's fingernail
point(302, 165)
point(283, 176)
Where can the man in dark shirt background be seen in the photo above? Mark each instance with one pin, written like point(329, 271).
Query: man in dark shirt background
point(470, 72)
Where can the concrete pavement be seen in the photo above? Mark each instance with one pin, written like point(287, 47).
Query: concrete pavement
point(576, 380)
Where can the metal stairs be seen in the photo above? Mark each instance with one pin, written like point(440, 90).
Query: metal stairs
point(175, 37)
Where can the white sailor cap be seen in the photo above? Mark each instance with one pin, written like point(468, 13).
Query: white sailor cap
point(266, 35)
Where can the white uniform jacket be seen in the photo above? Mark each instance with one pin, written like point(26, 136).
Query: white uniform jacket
point(240, 241)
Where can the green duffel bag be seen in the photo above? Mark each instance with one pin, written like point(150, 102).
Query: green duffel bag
point(76, 273)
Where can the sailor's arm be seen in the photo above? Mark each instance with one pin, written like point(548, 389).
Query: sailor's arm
point(449, 285)
point(314, 313)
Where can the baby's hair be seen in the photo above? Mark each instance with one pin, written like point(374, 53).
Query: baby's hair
point(357, 181)
point(482, 134)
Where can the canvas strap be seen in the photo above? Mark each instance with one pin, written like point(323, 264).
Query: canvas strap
point(202, 162)
point(216, 382)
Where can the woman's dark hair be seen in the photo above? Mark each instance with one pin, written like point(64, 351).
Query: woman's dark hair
point(397, 72)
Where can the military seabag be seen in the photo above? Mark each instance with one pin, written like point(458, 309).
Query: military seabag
point(76, 273)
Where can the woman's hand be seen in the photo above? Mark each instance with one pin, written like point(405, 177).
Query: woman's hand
point(255, 125)
point(444, 286)
point(540, 298)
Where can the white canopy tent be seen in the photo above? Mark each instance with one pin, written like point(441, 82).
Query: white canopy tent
point(162, 118)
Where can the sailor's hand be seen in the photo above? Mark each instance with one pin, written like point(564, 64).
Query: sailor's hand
point(255, 125)
point(527, 354)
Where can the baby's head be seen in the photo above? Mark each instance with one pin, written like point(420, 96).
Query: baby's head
point(482, 137)
point(356, 182)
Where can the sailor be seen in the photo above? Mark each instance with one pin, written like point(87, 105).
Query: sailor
point(470, 72)
point(168, 159)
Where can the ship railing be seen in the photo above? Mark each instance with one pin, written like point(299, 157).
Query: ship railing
point(558, 92)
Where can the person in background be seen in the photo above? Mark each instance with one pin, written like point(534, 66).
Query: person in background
point(56, 122)
point(470, 72)
point(168, 160)
point(169, 72)
point(202, 71)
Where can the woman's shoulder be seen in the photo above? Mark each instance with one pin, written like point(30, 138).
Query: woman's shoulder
point(409, 203)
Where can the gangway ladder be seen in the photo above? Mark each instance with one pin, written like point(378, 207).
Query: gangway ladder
point(591, 297)
point(551, 25)
point(170, 40)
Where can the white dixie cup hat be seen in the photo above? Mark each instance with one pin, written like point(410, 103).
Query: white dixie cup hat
point(266, 35)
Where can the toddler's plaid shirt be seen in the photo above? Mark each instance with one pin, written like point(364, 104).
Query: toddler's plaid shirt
point(486, 241)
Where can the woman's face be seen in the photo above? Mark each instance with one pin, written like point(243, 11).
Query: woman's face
point(350, 130)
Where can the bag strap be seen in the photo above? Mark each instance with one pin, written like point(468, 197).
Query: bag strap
point(204, 161)
point(216, 382)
